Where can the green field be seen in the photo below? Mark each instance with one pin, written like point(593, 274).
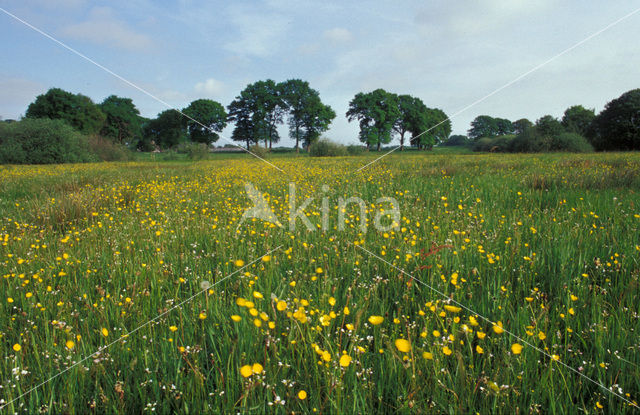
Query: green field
point(511, 281)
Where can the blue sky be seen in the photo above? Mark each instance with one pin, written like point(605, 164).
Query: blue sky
point(447, 53)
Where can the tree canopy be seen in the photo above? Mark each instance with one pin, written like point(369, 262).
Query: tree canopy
point(577, 119)
point(487, 126)
point(168, 129)
point(617, 127)
point(211, 119)
point(308, 117)
point(377, 113)
point(77, 110)
point(123, 122)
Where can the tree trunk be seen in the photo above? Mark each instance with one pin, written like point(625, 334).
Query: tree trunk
point(378, 149)
point(247, 144)
point(402, 142)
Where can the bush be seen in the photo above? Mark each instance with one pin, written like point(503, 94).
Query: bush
point(42, 141)
point(354, 150)
point(107, 150)
point(327, 148)
point(571, 142)
point(194, 151)
point(259, 151)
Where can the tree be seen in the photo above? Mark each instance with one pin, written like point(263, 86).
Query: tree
point(617, 127)
point(487, 126)
point(412, 116)
point(167, 130)
point(433, 127)
point(76, 110)
point(377, 113)
point(549, 126)
point(123, 121)
point(211, 117)
point(308, 116)
point(257, 111)
point(520, 125)
point(457, 140)
point(577, 119)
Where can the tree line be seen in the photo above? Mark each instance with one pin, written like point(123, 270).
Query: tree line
point(263, 106)
point(615, 128)
point(257, 112)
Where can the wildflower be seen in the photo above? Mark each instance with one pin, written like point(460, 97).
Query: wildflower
point(70, 344)
point(202, 316)
point(173, 328)
point(345, 359)
point(257, 295)
point(375, 320)
point(497, 328)
point(257, 368)
point(452, 308)
point(246, 371)
point(403, 345)
point(319, 270)
point(281, 305)
point(105, 332)
point(241, 301)
point(302, 395)
point(427, 355)
point(516, 348)
point(332, 301)
point(238, 263)
point(446, 350)
point(479, 349)
point(555, 357)
point(236, 318)
point(346, 311)
point(17, 347)
point(266, 258)
point(541, 335)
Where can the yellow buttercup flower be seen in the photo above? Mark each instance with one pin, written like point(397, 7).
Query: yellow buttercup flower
point(375, 320)
point(403, 345)
point(104, 332)
point(302, 395)
point(345, 359)
point(516, 348)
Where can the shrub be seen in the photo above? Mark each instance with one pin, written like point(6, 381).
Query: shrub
point(456, 140)
point(483, 144)
point(107, 150)
point(42, 141)
point(194, 151)
point(327, 148)
point(571, 142)
point(354, 149)
point(259, 151)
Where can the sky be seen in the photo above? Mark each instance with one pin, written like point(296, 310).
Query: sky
point(449, 54)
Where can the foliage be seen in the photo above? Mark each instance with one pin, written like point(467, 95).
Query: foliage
point(42, 141)
point(193, 150)
point(167, 130)
point(457, 140)
point(617, 127)
point(327, 148)
point(548, 126)
point(258, 150)
point(433, 127)
point(520, 125)
point(487, 126)
point(211, 117)
point(577, 119)
point(308, 116)
point(123, 123)
point(108, 150)
point(354, 149)
point(77, 110)
point(257, 112)
point(377, 113)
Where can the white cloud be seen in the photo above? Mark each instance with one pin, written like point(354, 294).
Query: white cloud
point(103, 28)
point(211, 88)
point(258, 34)
point(338, 35)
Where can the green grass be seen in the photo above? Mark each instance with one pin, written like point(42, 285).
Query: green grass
point(542, 243)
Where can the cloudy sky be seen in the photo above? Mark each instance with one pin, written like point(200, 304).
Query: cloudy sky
point(449, 54)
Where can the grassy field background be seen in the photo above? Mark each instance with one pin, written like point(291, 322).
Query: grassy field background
point(546, 247)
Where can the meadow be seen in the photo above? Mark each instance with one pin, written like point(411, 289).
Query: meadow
point(506, 285)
